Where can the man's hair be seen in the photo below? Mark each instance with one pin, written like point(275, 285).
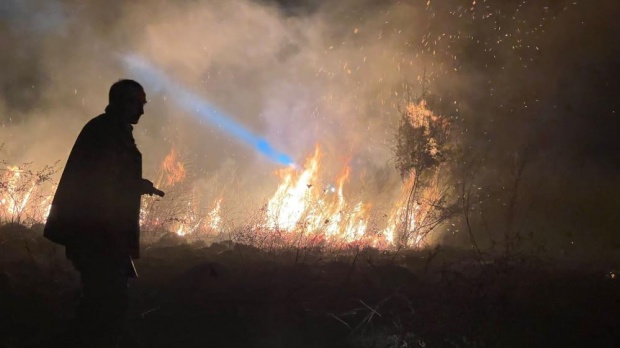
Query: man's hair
point(123, 89)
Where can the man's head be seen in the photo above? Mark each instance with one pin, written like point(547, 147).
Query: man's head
point(127, 99)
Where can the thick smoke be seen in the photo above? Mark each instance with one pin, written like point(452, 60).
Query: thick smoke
point(335, 73)
point(323, 75)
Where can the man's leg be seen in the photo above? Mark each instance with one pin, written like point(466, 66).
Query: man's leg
point(101, 314)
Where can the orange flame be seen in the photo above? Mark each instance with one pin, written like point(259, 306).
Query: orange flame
point(302, 208)
point(173, 169)
point(288, 204)
point(298, 205)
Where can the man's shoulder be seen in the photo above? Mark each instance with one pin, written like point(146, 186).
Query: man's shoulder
point(97, 121)
point(97, 124)
point(94, 129)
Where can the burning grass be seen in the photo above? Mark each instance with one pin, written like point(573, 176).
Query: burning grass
point(307, 209)
point(302, 212)
point(25, 194)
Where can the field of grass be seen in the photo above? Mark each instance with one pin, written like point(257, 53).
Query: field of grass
point(231, 295)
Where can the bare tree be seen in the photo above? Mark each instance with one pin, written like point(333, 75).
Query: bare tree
point(422, 152)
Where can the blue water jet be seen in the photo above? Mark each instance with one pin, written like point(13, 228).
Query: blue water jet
point(190, 102)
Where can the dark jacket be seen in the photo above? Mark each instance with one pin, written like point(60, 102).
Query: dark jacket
point(97, 203)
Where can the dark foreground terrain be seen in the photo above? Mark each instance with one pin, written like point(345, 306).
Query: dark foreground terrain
point(227, 295)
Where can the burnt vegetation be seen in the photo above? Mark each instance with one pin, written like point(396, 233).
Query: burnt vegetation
point(234, 295)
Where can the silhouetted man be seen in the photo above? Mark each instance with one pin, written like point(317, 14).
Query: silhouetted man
point(95, 212)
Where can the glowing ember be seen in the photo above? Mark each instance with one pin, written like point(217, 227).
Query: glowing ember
point(189, 222)
point(214, 220)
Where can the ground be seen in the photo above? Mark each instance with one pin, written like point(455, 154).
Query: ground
point(230, 295)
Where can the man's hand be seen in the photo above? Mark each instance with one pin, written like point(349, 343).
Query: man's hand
point(148, 188)
point(157, 192)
